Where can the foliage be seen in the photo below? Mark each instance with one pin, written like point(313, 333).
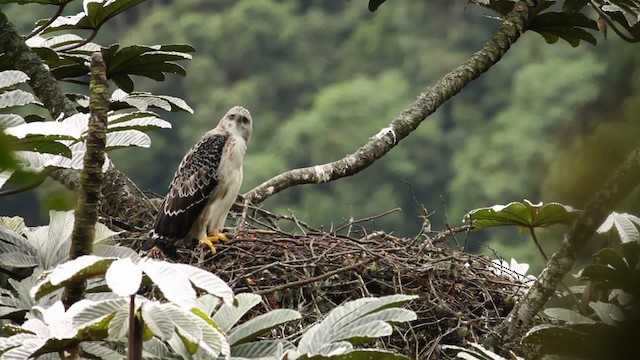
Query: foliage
point(188, 325)
point(49, 145)
point(607, 327)
point(477, 351)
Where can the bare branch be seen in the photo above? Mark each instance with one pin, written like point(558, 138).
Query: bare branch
point(514, 24)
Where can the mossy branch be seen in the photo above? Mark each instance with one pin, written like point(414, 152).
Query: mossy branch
point(514, 24)
point(91, 177)
point(621, 183)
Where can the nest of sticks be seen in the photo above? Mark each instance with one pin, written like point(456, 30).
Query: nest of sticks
point(293, 265)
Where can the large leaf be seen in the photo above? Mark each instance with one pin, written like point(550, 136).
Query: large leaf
point(95, 14)
point(261, 324)
point(171, 281)
point(158, 322)
point(124, 277)
point(11, 78)
point(261, 349)
point(207, 281)
point(143, 100)
point(625, 224)
point(229, 314)
point(360, 354)
point(13, 98)
point(139, 120)
point(127, 138)
point(79, 269)
point(62, 130)
point(525, 214)
point(344, 322)
point(148, 61)
point(567, 26)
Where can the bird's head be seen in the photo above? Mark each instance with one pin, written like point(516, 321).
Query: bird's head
point(237, 121)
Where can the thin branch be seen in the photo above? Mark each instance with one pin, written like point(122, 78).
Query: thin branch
point(316, 278)
point(612, 25)
point(538, 245)
point(514, 24)
point(46, 25)
point(621, 183)
point(92, 178)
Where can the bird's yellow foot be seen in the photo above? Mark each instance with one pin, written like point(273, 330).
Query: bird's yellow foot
point(214, 238)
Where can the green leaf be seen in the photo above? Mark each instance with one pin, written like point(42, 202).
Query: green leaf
point(353, 320)
point(205, 280)
point(574, 5)
point(568, 26)
point(93, 312)
point(523, 214)
point(127, 138)
point(79, 269)
point(364, 354)
point(56, 129)
point(375, 4)
point(609, 313)
point(143, 100)
point(567, 316)
point(13, 98)
point(18, 260)
point(148, 61)
point(261, 324)
point(624, 223)
point(228, 314)
point(171, 281)
point(608, 256)
point(43, 144)
point(157, 321)
point(261, 349)
point(11, 78)
point(124, 277)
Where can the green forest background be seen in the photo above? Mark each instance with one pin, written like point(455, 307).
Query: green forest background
point(548, 123)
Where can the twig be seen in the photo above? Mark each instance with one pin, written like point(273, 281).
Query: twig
point(369, 218)
point(315, 278)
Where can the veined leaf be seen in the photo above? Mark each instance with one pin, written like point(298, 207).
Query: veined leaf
point(81, 268)
point(126, 138)
point(158, 322)
point(172, 281)
point(525, 214)
point(261, 324)
point(143, 100)
point(625, 224)
point(11, 78)
point(124, 277)
point(229, 314)
point(261, 349)
point(207, 281)
point(49, 128)
point(13, 98)
point(10, 120)
point(568, 26)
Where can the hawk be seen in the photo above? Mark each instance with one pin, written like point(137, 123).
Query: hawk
point(205, 186)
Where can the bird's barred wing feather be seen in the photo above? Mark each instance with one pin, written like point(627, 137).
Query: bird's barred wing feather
point(194, 182)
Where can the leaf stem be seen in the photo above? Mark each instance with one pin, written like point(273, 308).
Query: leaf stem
point(48, 23)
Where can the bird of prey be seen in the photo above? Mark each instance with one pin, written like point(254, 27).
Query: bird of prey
point(205, 186)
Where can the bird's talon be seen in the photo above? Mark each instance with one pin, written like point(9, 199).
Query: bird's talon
point(212, 239)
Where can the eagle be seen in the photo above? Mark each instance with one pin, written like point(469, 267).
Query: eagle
point(204, 187)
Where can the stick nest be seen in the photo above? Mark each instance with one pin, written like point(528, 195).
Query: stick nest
point(462, 296)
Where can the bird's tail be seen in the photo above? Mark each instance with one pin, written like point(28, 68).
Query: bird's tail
point(164, 243)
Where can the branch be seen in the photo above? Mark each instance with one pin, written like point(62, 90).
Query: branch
point(91, 178)
point(514, 24)
point(623, 181)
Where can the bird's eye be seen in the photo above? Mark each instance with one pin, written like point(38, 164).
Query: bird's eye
point(244, 119)
point(232, 116)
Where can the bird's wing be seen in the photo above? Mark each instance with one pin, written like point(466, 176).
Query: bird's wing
point(192, 185)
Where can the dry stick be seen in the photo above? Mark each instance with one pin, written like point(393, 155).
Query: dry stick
point(623, 181)
point(315, 278)
point(514, 24)
point(91, 177)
